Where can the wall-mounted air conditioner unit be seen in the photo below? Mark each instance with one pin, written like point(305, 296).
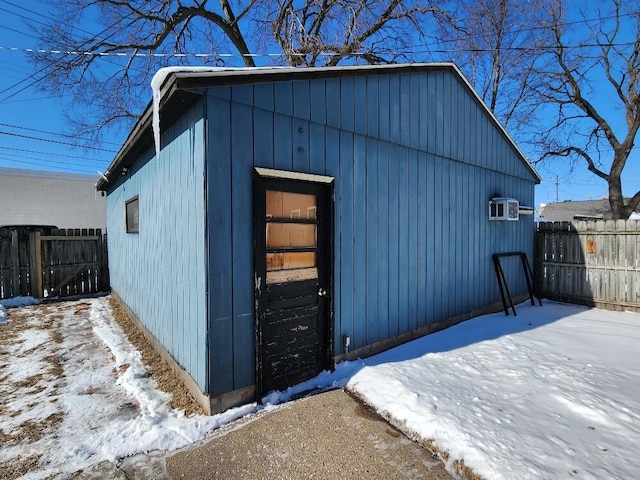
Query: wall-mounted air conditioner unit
point(502, 208)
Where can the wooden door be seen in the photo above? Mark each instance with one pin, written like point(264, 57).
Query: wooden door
point(292, 281)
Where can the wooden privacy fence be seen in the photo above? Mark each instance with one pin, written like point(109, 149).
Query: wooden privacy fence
point(590, 263)
point(51, 262)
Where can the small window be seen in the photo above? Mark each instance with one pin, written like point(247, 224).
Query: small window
point(131, 207)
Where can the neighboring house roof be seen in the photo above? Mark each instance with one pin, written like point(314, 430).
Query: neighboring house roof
point(577, 210)
point(176, 88)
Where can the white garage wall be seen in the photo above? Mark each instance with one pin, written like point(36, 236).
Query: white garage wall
point(50, 198)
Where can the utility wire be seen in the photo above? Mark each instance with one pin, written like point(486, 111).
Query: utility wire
point(45, 17)
point(54, 133)
point(52, 141)
point(64, 155)
point(66, 169)
point(18, 31)
point(45, 161)
point(381, 52)
point(94, 37)
point(33, 99)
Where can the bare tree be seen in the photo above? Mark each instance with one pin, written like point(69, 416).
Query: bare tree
point(497, 43)
point(109, 71)
point(327, 32)
point(591, 94)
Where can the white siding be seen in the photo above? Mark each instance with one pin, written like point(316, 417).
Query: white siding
point(48, 198)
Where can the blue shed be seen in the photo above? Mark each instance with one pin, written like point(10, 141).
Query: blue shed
point(289, 209)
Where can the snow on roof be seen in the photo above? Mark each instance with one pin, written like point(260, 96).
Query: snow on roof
point(160, 78)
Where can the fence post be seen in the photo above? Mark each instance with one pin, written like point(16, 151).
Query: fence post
point(15, 264)
point(35, 258)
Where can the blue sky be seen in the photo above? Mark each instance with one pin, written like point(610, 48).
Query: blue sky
point(32, 124)
point(26, 113)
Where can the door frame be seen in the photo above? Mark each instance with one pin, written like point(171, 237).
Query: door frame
point(264, 179)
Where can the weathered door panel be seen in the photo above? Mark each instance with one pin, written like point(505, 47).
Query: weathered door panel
point(293, 263)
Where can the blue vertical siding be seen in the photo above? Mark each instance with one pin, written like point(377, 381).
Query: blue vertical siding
point(359, 208)
point(383, 241)
point(415, 160)
point(392, 241)
point(412, 240)
point(300, 145)
point(422, 205)
point(371, 206)
point(346, 212)
point(159, 273)
point(402, 233)
point(220, 238)
point(242, 237)
point(282, 141)
point(332, 165)
point(263, 138)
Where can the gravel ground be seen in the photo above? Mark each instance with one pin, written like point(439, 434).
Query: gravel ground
point(327, 436)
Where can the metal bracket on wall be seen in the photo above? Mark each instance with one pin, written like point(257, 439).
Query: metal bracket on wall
point(502, 281)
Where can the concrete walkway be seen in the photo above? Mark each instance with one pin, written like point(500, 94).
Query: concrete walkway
point(327, 436)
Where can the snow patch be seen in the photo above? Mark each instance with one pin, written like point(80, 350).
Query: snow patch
point(3, 315)
point(556, 399)
point(110, 405)
point(19, 302)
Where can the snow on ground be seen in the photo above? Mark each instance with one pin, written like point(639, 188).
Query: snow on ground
point(19, 302)
point(14, 302)
point(551, 393)
point(75, 393)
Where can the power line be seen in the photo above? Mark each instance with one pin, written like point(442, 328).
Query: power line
point(33, 99)
point(22, 162)
point(52, 154)
point(21, 16)
point(84, 42)
point(45, 162)
point(54, 133)
point(18, 31)
point(301, 54)
point(47, 18)
point(52, 141)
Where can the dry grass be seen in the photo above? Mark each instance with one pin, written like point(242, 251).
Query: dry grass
point(56, 370)
point(465, 471)
point(16, 468)
point(9, 331)
point(164, 377)
point(29, 382)
point(31, 431)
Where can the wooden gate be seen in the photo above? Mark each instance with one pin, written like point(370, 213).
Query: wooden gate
point(47, 262)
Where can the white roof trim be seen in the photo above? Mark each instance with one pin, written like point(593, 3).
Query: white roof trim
point(307, 177)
